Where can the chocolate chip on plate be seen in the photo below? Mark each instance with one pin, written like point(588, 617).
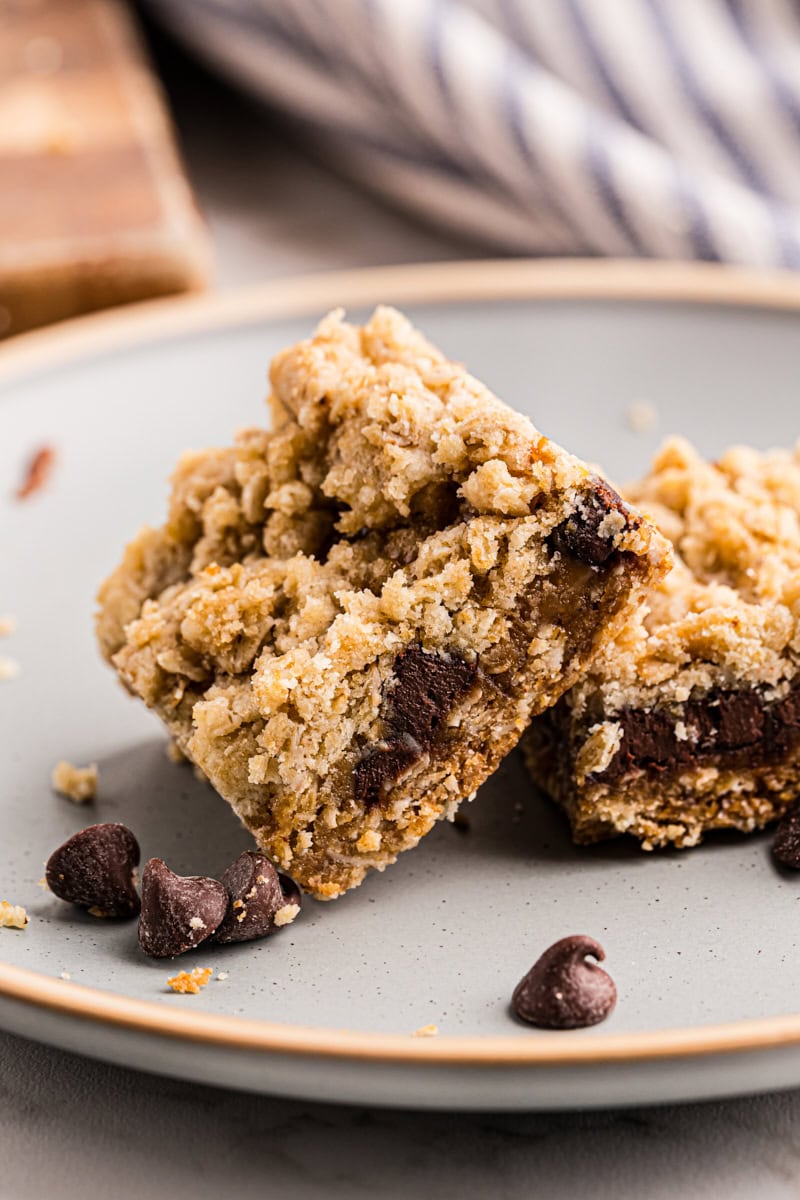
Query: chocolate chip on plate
point(178, 911)
point(564, 991)
point(96, 869)
point(260, 902)
point(786, 843)
point(292, 897)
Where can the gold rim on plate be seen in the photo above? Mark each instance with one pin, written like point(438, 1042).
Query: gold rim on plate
point(459, 282)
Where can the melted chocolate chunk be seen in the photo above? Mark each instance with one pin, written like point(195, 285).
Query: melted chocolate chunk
point(425, 690)
point(580, 534)
point(786, 843)
point(723, 727)
point(178, 911)
point(256, 895)
point(564, 991)
point(96, 869)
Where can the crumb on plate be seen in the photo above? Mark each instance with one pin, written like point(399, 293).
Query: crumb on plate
point(37, 472)
point(426, 1031)
point(12, 916)
point(190, 982)
point(77, 783)
point(641, 417)
point(222, 976)
point(286, 914)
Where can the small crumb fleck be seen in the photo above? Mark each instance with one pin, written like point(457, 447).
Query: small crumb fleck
point(37, 472)
point(641, 417)
point(94, 911)
point(42, 883)
point(190, 982)
point(197, 923)
point(426, 1031)
point(222, 976)
point(174, 753)
point(8, 668)
point(76, 783)
point(369, 841)
point(7, 626)
point(285, 915)
point(12, 916)
point(65, 975)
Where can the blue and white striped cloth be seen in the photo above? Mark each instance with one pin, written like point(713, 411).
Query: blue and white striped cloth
point(660, 128)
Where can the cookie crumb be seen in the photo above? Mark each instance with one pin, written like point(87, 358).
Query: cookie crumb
point(65, 975)
point(76, 783)
point(37, 472)
point(174, 753)
point(426, 1031)
point(8, 668)
point(12, 916)
point(197, 923)
point(641, 417)
point(222, 976)
point(285, 915)
point(7, 626)
point(42, 883)
point(190, 982)
point(94, 911)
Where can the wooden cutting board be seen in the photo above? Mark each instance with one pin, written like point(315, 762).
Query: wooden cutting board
point(95, 208)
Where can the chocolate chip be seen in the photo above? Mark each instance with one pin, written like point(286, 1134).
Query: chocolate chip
point(291, 892)
point(741, 719)
point(564, 991)
point(722, 726)
point(786, 843)
point(425, 689)
point(178, 911)
point(96, 869)
point(581, 535)
point(257, 894)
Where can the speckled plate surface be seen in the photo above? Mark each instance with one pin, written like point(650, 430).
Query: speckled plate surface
point(704, 945)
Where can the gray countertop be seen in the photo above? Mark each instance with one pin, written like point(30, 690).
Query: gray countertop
point(71, 1127)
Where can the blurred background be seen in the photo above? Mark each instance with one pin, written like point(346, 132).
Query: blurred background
point(148, 149)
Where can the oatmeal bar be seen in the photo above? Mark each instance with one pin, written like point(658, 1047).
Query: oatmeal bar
point(347, 622)
point(690, 720)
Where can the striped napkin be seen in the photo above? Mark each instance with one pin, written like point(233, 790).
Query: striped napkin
point(658, 128)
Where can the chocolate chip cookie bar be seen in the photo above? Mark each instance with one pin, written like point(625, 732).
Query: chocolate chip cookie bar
point(348, 621)
point(690, 719)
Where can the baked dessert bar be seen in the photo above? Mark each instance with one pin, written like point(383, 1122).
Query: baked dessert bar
point(690, 720)
point(347, 622)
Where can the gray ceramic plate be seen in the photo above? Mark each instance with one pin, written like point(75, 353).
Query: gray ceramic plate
point(704, 945)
